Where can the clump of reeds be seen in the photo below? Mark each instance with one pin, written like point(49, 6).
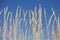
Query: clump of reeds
point(16, 30)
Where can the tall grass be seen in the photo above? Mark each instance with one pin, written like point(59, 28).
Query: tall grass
point(16, 30)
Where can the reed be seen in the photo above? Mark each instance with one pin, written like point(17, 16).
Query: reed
point(16, 30)
point(58, 28)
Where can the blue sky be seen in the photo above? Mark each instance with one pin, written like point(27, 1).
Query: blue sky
point(30, 5)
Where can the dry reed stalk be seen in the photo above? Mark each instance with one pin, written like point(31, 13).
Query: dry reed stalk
point(39, 23)
point(53, 31)
point(10, 32)
point(5, 24)
point(16, 24)
point(58, 28)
